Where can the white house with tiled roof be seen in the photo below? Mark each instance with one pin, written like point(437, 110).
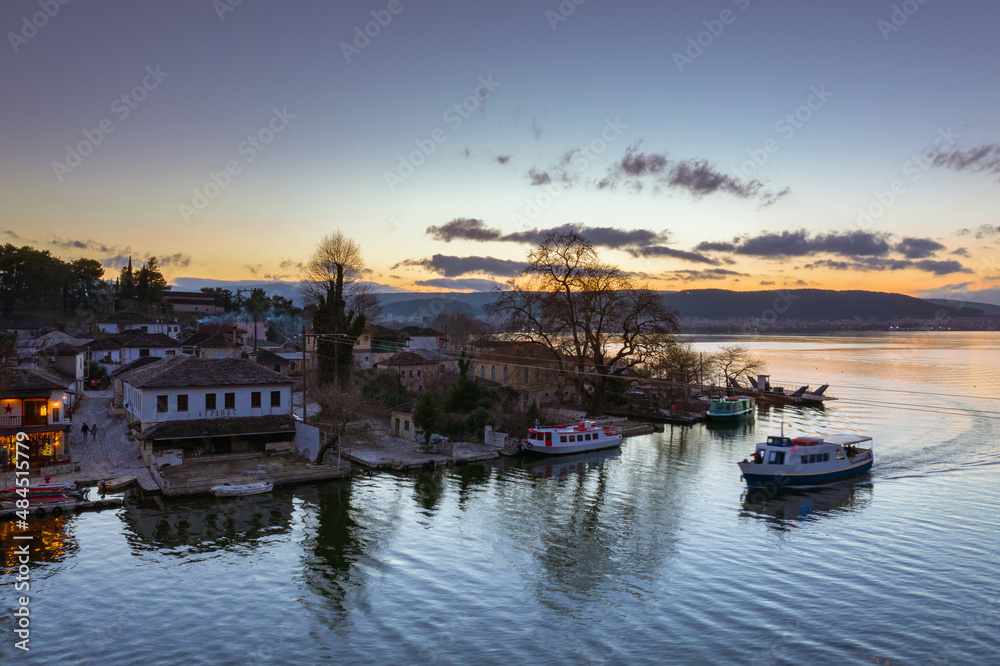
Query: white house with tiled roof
point(194, 406)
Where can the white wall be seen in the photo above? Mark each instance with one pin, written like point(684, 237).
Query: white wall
point(142, 403)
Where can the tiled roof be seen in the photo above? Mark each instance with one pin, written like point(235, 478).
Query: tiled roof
point(137, 363)
point(212, 338)
point(132, 340)
point(405, 358)
point(24, 380)
point(184, 371)
point(197, 428)
point(418, 331)
point(60, 349)
point(265, 357)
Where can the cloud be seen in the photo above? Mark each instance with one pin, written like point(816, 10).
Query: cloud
point(918, 248)
point(290, 263)
point(984, 158)
point(502, 159)
point(945, 267)
point(539, 177)
point(801, 243)
point(708, 274)
point(178, 259)
point(464, 284)
point(463, 229)
point(961, 252)
point(12, 235)
point(986, 230)
point(457, 266)
point(663, 251)
point(765, 283)
point(89, 244)
point(253, 269)
point(476, 230)
point(695, 175)
point(707, 246)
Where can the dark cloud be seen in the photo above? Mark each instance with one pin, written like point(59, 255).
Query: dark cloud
point(984, 158)
point(707, 246)
point(765, 283)
point(663, 251)
point(116, 261)
point(539, 177)
point(88, 244)
point(962, 232)
point(253, 269)
point(179, 259)
point(457, 266)
point(945, 267)
point(961, 252)
point(464, 284)
point(708, 274)
point(801, 283)
point(502, 159)
point(986, 230)
point(918, 248)
point(463, 229)
point(290, 263)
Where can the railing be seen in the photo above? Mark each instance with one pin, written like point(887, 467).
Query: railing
point(10, 421)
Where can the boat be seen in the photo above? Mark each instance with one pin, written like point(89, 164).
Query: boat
point(571, 438)
point(39, 495)
point(762, 389)
point(805, 461)
point(116, 484)
point(731, 408)
point(255, 485)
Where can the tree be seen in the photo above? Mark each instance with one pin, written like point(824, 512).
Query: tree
point(149, 281)
point(598, 324)
point(333, 285)
point(223, 297)
point(126, 281)
point(428, 415)
point(465, 393)
point(732, 361)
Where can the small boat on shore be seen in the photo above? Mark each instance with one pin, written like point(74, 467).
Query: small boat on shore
point(572, 438)
point(256, 484)
point(731, 408)
point(804, 461)
point(116, 484)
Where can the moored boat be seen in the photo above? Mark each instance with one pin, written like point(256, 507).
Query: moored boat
point(803, 461)
point(731, 408)
point(255, 484)
point(571, 438)
point(116, 484)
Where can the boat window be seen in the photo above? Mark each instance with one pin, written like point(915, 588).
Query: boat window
point(826, 457)
point(562, 439)
point(840, 454)
point(777, 458)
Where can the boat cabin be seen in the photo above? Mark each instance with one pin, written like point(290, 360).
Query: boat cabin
point(780, 450)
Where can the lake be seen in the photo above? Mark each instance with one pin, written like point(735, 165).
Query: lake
point(653, 553)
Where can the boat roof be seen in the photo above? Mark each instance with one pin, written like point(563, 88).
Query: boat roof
point(844, 438)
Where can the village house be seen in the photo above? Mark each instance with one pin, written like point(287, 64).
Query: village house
point(215, 342)
point(133, 321)
point(65, 361)
point(418, 369)
point(528, 367)
point(114, 351)
point(423, 338)
point(190, 406)
point(33, 402)
point(285, 363)
point(193, 301)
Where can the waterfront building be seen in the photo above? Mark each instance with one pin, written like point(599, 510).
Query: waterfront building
point(33, 402)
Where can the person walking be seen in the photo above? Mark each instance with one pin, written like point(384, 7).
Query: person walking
point(84, 430)
point(93, 431)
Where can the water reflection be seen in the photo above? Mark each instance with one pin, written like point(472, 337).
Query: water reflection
point(728, 432)
point(784, 509)
point(206, 524)
point(575, 463)
point(51, 540)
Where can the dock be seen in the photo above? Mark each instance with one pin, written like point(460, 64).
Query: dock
point(400, 454)
point(38, 509)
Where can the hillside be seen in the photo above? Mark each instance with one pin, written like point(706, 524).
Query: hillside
point(722, 304)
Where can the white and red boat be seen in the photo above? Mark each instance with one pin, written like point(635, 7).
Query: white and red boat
point(572, 438)
point(40, 494)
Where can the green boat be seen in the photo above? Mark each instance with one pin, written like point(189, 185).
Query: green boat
point(731, 408)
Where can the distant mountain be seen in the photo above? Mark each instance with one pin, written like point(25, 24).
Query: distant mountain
point(987, 308)
point(285, 289)
point(805, 305)
point(723, 304)
point(427, 307)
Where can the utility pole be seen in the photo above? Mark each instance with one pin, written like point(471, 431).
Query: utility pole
point(304, 378)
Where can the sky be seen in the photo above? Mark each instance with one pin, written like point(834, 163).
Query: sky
point(735, 144)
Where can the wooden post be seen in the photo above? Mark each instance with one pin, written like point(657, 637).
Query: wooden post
point(304, 378)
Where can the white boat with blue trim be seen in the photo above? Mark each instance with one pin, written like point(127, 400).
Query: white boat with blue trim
point(572, 438)
point(806, 461)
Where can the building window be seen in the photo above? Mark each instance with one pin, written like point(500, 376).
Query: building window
point(482, 372)
point(276, 398)
point(209, 401)
point(182, 402)
point(143, 352)
point(406, 425)
point(276, 367)
point(493, 373)
point(537, 373)
point(56, 416)
point(255, 400)
point(170, 352)
point(418, 373)
point(525, 375)
point(230, 400)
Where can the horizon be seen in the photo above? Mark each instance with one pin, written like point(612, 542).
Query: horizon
point(738, 146)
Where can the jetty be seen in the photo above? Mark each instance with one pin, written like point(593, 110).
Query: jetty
point(39, 509)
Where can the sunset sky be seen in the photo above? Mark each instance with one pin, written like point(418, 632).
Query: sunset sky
point(736, 144)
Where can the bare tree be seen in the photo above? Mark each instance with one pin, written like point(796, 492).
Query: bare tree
point(598, 324)
point(734, 360)
point(340, 407)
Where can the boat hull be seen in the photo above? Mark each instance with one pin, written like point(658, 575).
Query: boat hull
point(788, 478)
point(566, 449)
point(729, 418)
point(242, 490)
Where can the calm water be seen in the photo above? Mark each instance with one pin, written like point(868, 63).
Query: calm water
point(653, 553)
